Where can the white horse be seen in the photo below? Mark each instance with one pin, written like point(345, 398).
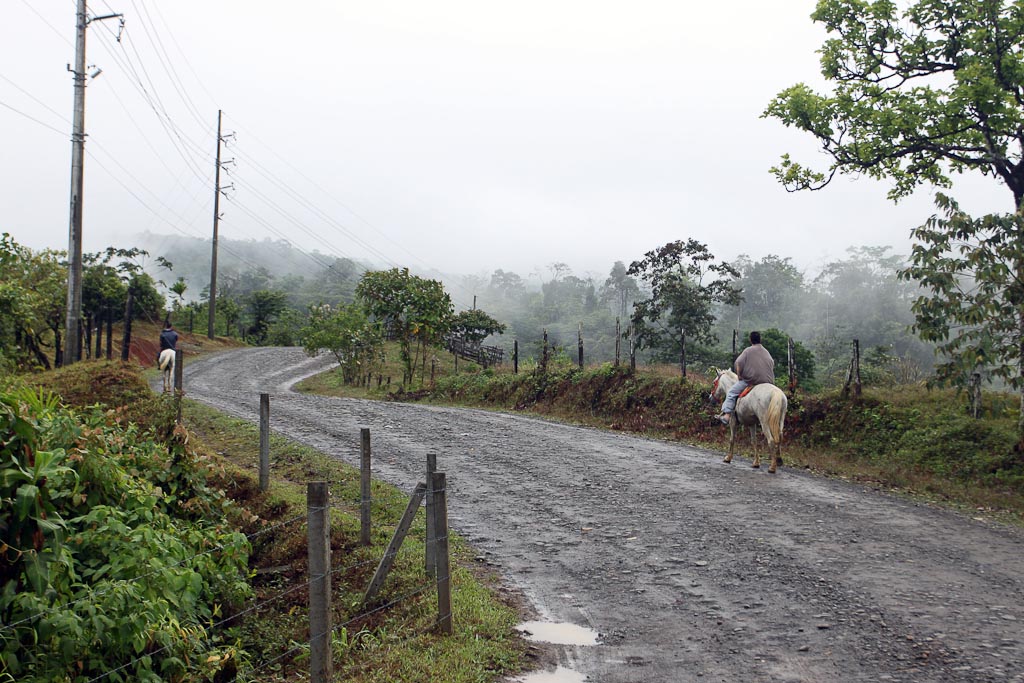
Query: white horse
point(167, 368)
point(765, 404)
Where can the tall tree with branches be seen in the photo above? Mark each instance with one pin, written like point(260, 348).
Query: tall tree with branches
point(918, 94)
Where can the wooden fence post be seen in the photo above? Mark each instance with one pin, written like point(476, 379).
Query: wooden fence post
point(734, 332)
point(974, 394)
point(515, 356)
point(632, 349)
point(856, 368)
point(364, 486)
point(430, 559)
point(792, 367)
point(444, 594)
point(319, 541)
point(579, 338)
point(618, 341)
point(179, 380)
point(682, 351)
point(544, 355)
point(264, 442)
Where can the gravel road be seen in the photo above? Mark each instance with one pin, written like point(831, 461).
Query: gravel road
point(690, 569)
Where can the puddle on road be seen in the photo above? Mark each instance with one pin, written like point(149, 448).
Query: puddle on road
point(558, 634)
point(559, 675)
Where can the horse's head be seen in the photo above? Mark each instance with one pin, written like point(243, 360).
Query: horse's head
point(723, 380)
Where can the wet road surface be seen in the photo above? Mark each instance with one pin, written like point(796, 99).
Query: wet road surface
point(689, 569)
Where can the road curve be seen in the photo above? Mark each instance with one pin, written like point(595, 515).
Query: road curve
point(690, 569)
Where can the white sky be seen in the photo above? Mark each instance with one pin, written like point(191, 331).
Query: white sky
point(463, 136)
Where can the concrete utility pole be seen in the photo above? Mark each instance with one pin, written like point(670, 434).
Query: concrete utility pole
point(216, 221)
point(74, 301)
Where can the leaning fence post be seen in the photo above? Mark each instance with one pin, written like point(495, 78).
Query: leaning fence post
point(179, 379)
point(430, 560)
point(319, 540)
point(364, 486)
point(264, 442)
point(438, 485)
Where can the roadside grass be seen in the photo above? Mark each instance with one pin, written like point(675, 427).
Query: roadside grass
point(396, 643)
point(391, 639)
point(906, 439)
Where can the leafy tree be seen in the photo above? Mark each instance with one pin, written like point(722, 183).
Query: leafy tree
point(231, 310)
point(345, 332)
point(32, 303)
point(918, 94)
point(474, 326)
point(770, 288)
point(415, 310)
point(973, 270)
point(266, 306)
point(685, 283)
point(620, 290)
point(507, 285)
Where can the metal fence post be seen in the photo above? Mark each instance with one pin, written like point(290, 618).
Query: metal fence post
point(319, 530)
point(364, 486)
point(264, 442)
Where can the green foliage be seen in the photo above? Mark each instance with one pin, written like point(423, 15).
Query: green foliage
point(348, 334)
point(413, 309)
point(475, 325)
point(917, 93)
point(266, 306)
point(685, 283)
point(972, 269)
point(33, 292)
point(116, 556)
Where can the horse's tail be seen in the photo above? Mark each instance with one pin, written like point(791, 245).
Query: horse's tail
point(776, 415)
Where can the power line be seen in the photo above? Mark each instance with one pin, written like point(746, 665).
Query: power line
point(32, 118)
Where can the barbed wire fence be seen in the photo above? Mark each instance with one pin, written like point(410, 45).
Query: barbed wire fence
point(430, 493)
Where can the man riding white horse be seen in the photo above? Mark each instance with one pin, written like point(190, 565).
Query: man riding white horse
point(165, 360)
point(753, 366)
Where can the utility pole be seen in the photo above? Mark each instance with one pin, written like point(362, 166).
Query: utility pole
point(73, 320)
point(216, 221)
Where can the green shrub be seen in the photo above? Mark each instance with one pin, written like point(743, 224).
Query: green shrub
point(116, 557)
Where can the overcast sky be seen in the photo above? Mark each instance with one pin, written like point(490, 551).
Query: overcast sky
point(462, 136)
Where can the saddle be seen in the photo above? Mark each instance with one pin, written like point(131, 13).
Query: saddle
point(745, 392)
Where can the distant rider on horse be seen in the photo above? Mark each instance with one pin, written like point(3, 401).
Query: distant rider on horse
point(754, 366)
point(168, 339)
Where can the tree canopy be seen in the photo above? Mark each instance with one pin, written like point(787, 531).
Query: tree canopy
point(917, 94)
point(685, 282)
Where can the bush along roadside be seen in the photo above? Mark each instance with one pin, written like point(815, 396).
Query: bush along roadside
point(117, 560)
point(134, 550)
point(904, 437)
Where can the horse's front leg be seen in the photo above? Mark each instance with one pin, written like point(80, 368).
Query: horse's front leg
point(732, 438)
point(753, 445)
